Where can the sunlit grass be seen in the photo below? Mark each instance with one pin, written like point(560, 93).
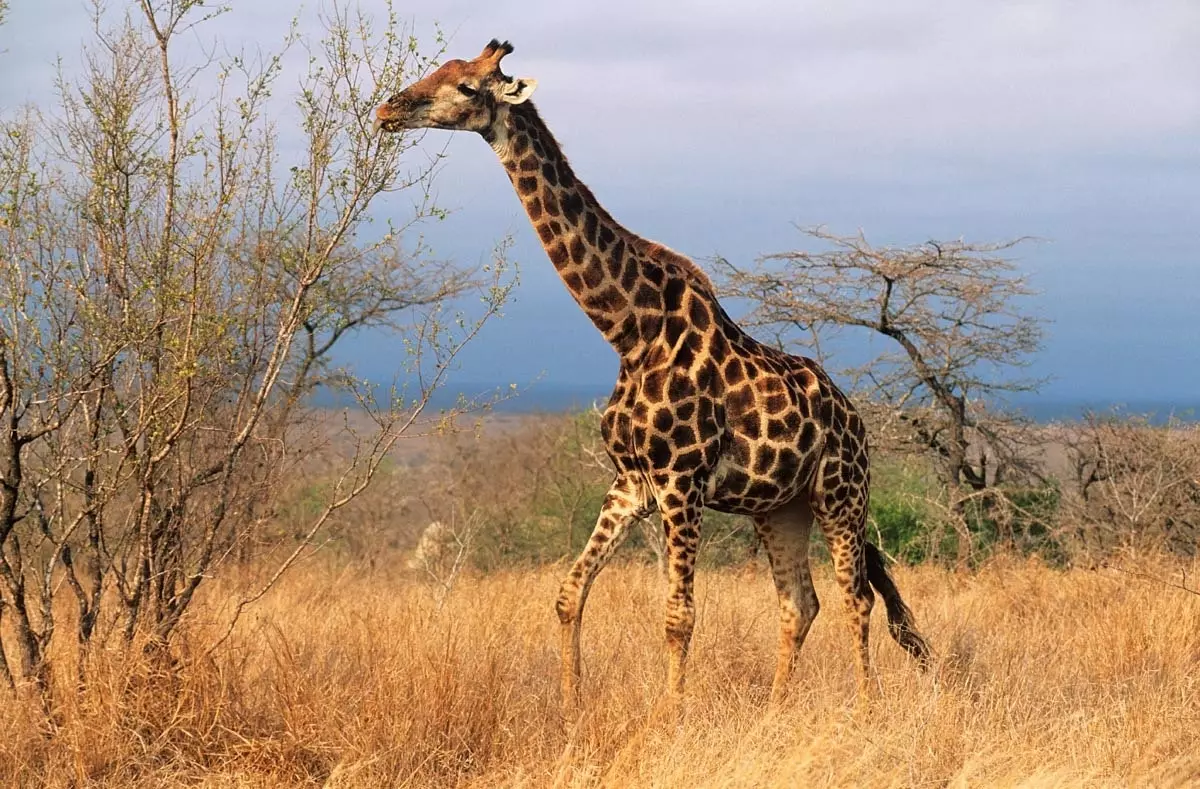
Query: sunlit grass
point(356, 679)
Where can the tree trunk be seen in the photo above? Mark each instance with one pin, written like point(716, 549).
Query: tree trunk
point(5, 671)
point(957, 461)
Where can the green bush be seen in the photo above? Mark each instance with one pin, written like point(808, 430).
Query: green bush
point(531, 491)
point(898, 513)
point(1018, 519)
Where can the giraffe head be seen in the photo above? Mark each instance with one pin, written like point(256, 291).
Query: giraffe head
point(469, 95)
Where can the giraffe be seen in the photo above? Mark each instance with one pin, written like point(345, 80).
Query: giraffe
point(702, 415)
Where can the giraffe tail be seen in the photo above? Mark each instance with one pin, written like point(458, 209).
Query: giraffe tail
point(900, 617)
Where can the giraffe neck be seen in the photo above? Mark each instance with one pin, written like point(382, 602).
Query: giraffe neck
point(597, 259)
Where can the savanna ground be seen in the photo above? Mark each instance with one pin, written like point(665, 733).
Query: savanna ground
point(364, 668)
point(347, 677)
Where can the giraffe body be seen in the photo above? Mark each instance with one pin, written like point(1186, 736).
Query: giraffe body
point(702, 414)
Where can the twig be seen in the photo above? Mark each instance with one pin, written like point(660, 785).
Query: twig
point(1181, 586)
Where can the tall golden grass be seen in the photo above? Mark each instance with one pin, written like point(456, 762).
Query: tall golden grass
point(345, 678)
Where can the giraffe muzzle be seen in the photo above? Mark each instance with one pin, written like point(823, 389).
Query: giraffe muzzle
point(398, 114)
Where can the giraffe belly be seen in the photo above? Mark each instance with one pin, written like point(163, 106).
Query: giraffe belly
point(747, 481)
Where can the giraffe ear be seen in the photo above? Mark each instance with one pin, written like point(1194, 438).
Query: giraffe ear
point(519, 90)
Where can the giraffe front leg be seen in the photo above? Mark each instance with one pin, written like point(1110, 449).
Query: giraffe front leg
point(623, 505)
point(682, 525)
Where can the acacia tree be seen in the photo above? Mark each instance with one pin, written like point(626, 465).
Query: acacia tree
point(957, 342)
point(173, 283)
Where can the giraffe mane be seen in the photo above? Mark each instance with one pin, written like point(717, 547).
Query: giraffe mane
point(668, 257)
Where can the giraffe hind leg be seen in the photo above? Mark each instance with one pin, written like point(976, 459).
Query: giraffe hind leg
point(843, 522)
point(785, 534)
point(850, 571)
point(858, 566)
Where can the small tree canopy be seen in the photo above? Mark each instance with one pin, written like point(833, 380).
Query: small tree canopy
point(958, 339)
point(174, 282)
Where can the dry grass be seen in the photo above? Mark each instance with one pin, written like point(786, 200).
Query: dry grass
point(345, 679)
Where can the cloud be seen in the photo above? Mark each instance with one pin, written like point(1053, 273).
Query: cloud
point(815, 84)
point(1001, 77)
point(713, 125)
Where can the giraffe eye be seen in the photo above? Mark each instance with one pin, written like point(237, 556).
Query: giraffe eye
point(467, 90)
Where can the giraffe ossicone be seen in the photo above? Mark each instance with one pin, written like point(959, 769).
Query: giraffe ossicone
point(702, 415)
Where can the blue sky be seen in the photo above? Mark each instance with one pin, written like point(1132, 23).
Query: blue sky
point(716, 131)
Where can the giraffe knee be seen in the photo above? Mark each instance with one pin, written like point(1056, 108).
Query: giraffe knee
point(679, 633)
point(681, 620)
point(567, 604)
point(860, 602)
point(808, 606)
point(866, 598)
point(796, 616)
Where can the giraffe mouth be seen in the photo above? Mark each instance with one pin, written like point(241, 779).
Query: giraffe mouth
point(399, 115)
point(388, 126)
point(388, 121)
